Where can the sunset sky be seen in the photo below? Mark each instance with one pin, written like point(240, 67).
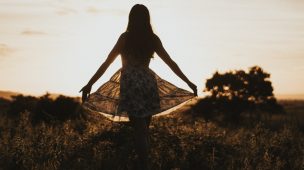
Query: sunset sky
point(57, 45)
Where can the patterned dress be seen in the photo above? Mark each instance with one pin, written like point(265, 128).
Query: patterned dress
point(135, 91)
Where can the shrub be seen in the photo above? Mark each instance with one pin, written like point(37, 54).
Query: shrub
point(22, 103)
point(237, 91)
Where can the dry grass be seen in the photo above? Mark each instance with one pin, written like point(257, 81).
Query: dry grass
point(177, 142)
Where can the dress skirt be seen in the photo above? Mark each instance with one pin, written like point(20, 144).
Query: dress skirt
point(135, 91)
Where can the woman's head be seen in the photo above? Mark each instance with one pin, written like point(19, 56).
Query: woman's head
point(139, 39)
point(139, 19)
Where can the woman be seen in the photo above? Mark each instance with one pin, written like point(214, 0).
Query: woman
point(135, 90)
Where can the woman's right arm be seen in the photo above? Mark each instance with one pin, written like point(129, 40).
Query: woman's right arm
point(111, 57)
point(162, 53)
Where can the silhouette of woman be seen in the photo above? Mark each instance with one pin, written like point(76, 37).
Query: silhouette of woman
point(135, 91)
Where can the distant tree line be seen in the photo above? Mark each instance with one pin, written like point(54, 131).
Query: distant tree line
point(42, 108)
point(238, 92)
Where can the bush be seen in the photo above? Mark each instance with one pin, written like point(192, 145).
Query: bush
point(22, 103)
point(235, 92)
point(44, 108)
point(4, 105)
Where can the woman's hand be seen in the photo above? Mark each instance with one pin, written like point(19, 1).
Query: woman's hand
point(85, 92)
point(193, 87)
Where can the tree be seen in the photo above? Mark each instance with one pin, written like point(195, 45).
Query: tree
point(22, 103)
point(237, 91)
point(44, 109)
point(62, 108)
point(4, 105)
point(65, 107)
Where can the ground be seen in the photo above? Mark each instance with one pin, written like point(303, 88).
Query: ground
point(178, 141)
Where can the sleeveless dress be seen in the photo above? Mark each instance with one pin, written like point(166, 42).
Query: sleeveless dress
point(135, 91)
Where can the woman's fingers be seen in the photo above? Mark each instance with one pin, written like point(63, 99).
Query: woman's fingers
point(89, 90)
point(194, 88)
point(195, 91)
point(84, 97)
point(85, 93)
point(82, 89)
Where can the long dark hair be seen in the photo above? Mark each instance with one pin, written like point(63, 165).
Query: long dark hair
point(139, 33)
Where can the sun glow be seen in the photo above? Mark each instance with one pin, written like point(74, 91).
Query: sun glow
point(57, 45)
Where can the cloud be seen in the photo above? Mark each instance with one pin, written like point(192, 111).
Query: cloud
point(94, 10)
point(66, 11)
point(5, 49)
point(33, 32)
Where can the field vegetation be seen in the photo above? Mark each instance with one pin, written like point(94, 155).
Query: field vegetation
point(180, 140)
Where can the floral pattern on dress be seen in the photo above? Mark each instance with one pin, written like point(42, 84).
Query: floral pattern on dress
point(136, 91)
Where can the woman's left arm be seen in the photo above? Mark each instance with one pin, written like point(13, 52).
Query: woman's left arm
point(111, 57)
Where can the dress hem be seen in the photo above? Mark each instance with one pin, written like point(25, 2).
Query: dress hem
point(125, 118)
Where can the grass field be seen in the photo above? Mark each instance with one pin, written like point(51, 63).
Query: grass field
point(178, 141)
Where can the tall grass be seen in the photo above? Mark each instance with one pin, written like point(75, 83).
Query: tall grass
point(178, 141)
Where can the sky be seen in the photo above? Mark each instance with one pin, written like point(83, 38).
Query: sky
point(57, 45)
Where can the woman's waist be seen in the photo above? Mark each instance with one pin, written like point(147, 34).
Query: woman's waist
point(132, 70)
point(135, 67)
point(135, 63)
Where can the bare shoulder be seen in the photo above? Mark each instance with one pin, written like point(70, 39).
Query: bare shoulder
point(156, 38)
point(157, 41)
point(121, 40)
point(122, 36)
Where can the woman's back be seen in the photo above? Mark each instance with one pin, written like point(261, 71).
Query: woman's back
point(137, 51)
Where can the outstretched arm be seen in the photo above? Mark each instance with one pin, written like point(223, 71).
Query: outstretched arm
point(111, 57)
point(162, 53)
